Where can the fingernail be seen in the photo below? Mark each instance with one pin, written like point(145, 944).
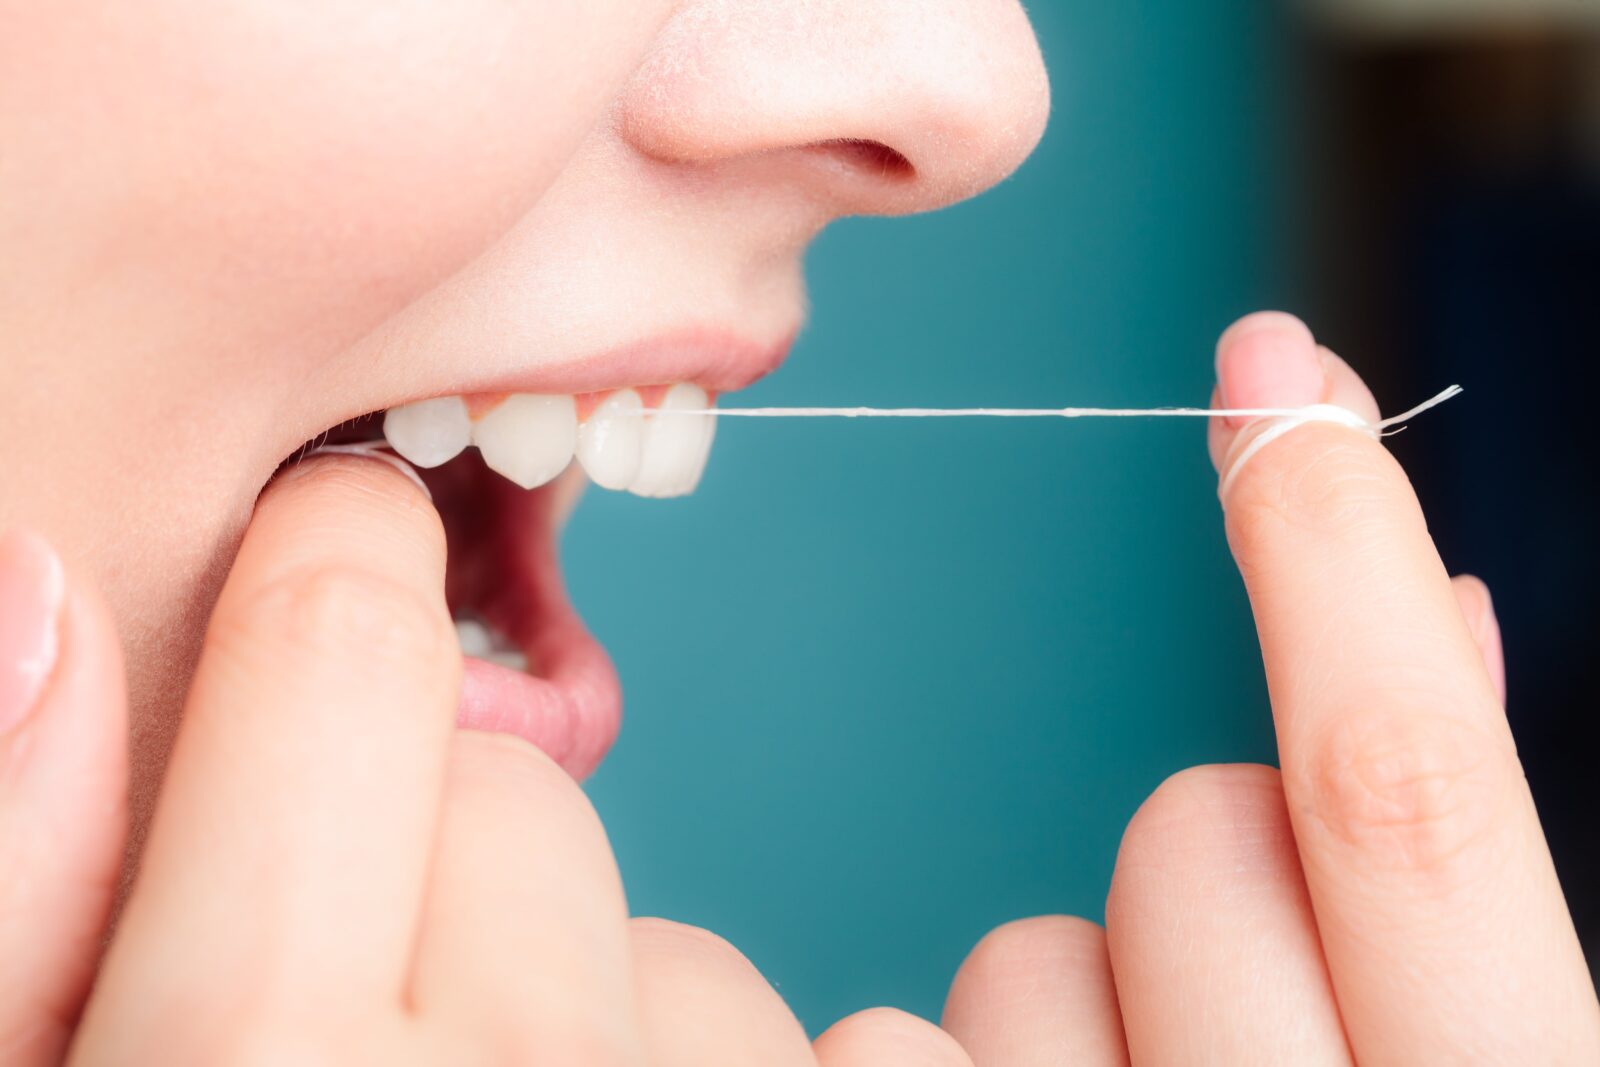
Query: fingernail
point(32, 589)
point(1268, 361)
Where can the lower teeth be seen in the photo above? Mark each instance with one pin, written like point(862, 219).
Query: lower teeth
point(480, 641)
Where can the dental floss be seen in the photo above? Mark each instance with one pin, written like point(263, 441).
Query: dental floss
point(378, 450)
point(1287, 419)
point(1276, 429)
point(1314, 413)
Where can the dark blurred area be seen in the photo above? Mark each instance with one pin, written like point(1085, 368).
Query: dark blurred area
point(1452, 204)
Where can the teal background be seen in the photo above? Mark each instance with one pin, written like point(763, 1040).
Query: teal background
point(890, 684)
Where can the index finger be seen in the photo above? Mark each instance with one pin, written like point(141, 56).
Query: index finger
point(1440, 914)
point(297, 815)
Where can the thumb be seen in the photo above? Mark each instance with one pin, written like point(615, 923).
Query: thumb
point(63, 770)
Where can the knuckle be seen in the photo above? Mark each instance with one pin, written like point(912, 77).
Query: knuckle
point(342, 609)
point(1410, 791)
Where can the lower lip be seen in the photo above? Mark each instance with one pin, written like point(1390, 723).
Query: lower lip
point(572, 717)
point(569, 703)
point(571, 708)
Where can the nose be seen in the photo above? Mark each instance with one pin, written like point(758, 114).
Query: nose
point(880, 107)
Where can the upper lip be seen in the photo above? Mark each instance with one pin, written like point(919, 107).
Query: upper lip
point(720, 360)
point(717, 358)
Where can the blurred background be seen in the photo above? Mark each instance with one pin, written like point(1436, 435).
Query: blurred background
point(895, 683)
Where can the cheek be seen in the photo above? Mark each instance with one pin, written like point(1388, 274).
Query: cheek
point(347, 154)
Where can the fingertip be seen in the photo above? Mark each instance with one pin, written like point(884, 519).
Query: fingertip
point(360, 465)
point(1474, 596)
point(1346, 388)
point(880, 1036)
point(378, 453)
point(1038, 989)
point(1281, 322)
point(32, 588)
point(76, 766)
point(61, 679)
point(63, 774)
point(1269, 359)
point(1477, 608)
point(1027, 951)
point(342, 506)
point(1218, 435)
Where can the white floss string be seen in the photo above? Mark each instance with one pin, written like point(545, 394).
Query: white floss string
point(378, 450)
point(1314, 413)
point(1287, 419)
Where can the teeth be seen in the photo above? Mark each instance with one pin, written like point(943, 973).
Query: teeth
point(480, 642)
point(529, 438)
point(508, 658)
point(675, 447)
point(611, 441)
point(429, 432)
point(474, 638)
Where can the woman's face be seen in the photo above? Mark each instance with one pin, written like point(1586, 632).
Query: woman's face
point(227, 227)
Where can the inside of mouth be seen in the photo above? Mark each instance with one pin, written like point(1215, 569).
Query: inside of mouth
point(501, 572)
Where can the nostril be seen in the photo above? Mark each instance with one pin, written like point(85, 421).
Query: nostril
point(871, 157)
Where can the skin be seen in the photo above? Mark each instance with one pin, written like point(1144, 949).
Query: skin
point(1386, 898)
point(254, 222)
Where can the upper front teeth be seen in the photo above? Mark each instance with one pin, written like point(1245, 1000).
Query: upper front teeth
point(611, 441)
point(675, 448)
point(429, 432)
point(530, 438)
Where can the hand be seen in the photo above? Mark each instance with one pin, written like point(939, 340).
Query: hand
point(336, 874)
point(1387, 898)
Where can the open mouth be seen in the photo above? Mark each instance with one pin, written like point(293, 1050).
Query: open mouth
point(504, 471)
